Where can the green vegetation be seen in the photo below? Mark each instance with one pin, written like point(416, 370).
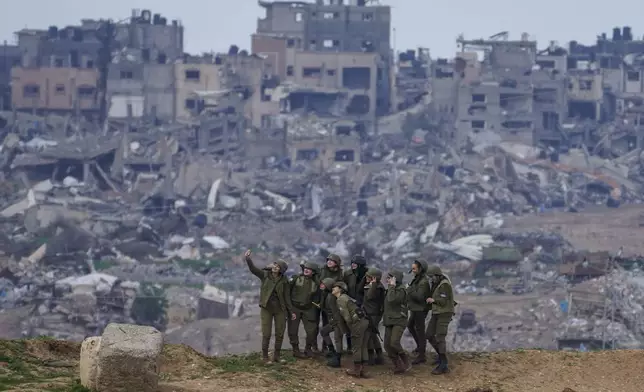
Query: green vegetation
point(20, 367)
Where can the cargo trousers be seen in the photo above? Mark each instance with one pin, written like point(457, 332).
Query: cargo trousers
point(268, 317)
point(309, 319)
point(437, 329)
point(393, 337)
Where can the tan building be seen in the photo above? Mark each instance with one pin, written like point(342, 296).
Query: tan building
point(54, 89)
point(194, 77)
point(585, 93)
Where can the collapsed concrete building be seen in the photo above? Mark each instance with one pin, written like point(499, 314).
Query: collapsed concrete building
point(330, 58)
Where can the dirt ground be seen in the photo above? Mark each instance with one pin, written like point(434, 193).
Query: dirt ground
point(49, 365)
point(594, 229)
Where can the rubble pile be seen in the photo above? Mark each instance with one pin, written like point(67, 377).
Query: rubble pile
point(92, 221)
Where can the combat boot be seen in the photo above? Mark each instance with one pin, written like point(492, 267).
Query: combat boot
point(265, 345)
point(395, 362)
point(276, 355)
point(335, 361)
point(406, 364)
point(308, 351)
point(297, 353)
point(372, 358)
point(330, 351)
point(355, 370)
point(442, 365)
point(436, 360)
point(419, 359)
point(380, 359)
point(363, 371)
point(398, 368)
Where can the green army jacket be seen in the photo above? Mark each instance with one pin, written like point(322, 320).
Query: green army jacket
point(270, 284)
point(330, 307)
point(443, 295)
point(355, 286)
point(348, 309)
point(395, 313)
point(418, 292)
point(304, 291)
point(374, 299)
point(325, 272)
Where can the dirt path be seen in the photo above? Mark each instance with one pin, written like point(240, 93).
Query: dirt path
point(51, 365)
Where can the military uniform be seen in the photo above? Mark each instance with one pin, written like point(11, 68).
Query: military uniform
point(304, 292)
point(336, 275)
point(417, 293)
point(275, 305)
point(373, 305)
point(336, 325)
point(355, 280)
point(395, 321)
point(442, 313)
point(359, 325)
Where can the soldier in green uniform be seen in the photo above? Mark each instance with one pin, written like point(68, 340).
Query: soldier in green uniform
point(274, 301)
point(304, 292)
point(355, 280)
point(373, 305)
point(357, 322)
point(395, 322)
point(417, 293)
point(332, 269)
point(443, 304)
point(336, 324)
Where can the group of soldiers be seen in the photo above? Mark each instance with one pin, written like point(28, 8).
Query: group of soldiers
point(352, 303)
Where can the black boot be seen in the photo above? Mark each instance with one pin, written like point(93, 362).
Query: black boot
point(330, 351)
point(380, 359)
point(335, 361)
point(442, 365)
point(372, 358)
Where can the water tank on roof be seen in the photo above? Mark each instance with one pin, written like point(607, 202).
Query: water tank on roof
point(62, 33)
point(146, 16)
point(156, 18)
point(627, 34)
point(163, 21)
point(617, 34)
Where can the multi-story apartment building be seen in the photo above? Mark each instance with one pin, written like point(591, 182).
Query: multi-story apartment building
point(77, 46)
point(9, 58)
point(144, 47)
point(56, 90)
point(334, 55)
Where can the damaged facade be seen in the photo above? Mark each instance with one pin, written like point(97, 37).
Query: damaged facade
point(331, 60)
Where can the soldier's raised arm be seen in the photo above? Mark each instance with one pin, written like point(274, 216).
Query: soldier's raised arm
point(261, 274)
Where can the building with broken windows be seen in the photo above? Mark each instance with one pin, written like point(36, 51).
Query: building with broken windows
point(77, 46)
point(331, 58)
point(9, 58)
point(142, 46)
point(54, 90)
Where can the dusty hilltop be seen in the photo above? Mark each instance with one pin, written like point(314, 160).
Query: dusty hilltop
point(52, 365)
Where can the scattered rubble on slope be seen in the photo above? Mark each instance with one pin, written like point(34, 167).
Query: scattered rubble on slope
point(96, 227)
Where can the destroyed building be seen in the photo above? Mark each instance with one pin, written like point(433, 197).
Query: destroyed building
point(9, 57)
point(328, 58)
point(135, 43)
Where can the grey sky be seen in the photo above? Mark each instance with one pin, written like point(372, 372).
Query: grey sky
point(215, 24)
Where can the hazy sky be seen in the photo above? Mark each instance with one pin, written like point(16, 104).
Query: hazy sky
point(216, 24)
